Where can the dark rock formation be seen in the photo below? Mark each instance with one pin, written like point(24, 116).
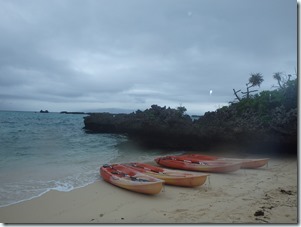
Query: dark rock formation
point(265, 121)
point(66, 112)
point(156, 127)
point(248, 128)
point(44, 111)
point(166, 128)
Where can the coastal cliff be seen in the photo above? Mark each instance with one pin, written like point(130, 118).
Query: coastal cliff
point(224, 126)
point(267, 121)
point(157, 127)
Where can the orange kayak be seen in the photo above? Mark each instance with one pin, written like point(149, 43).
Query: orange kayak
point(245, 163)
point(187, 163)
point(127, 178)
point(172, 177)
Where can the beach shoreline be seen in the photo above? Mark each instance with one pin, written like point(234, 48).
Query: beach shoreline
point(265, 195)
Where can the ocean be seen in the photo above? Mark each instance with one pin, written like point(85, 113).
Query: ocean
point(51, 151)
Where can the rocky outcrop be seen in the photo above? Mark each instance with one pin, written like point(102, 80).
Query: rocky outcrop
point(156, 127)
point(161, 127)
point(278, 129)
point(66, 112)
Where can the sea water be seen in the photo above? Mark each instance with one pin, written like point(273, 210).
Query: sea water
point(51, 151)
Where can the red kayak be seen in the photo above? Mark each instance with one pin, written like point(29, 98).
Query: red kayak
point(245, 163)
point(172, 177)
point(186, 163)
point(125, 177)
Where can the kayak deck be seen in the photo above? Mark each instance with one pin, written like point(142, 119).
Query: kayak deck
point(245, 163)
point(171, 177)
point(127, 178)
point(196, 165)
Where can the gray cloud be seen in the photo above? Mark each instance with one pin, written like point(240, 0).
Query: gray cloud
point(131, 54)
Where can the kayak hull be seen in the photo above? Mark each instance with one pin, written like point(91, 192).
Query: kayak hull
point(204, 166)
point(254, 163)
point(245, 163)
point(171, 177)
point(124, 177)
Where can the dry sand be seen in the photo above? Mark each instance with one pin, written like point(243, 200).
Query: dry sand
point(271, 192)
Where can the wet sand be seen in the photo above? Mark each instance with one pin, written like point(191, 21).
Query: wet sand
point(265, 195)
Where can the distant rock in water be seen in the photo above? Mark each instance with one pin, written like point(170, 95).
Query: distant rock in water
point(66, 112)
point(44, 111)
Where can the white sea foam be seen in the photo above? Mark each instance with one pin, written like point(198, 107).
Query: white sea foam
point(42, 152)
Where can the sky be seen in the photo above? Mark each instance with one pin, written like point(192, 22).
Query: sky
point(91, 55)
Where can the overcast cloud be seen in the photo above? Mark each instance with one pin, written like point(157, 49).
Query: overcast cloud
point(84, 55)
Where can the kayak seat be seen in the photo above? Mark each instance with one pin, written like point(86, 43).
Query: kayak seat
point(138, 179)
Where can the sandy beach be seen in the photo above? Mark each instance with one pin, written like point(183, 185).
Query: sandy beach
point(265, 195)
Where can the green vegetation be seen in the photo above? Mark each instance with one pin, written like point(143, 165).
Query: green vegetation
point(268, 116)
point(285, 96)
point(255, 80)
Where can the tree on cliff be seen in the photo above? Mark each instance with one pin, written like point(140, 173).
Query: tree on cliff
point(287, 90)
point(281, 79)
point(181, 110)
point(255, 80)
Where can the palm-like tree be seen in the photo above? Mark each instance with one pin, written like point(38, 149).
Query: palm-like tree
point(254, 80)
point(278, 76)
point(282, 80)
